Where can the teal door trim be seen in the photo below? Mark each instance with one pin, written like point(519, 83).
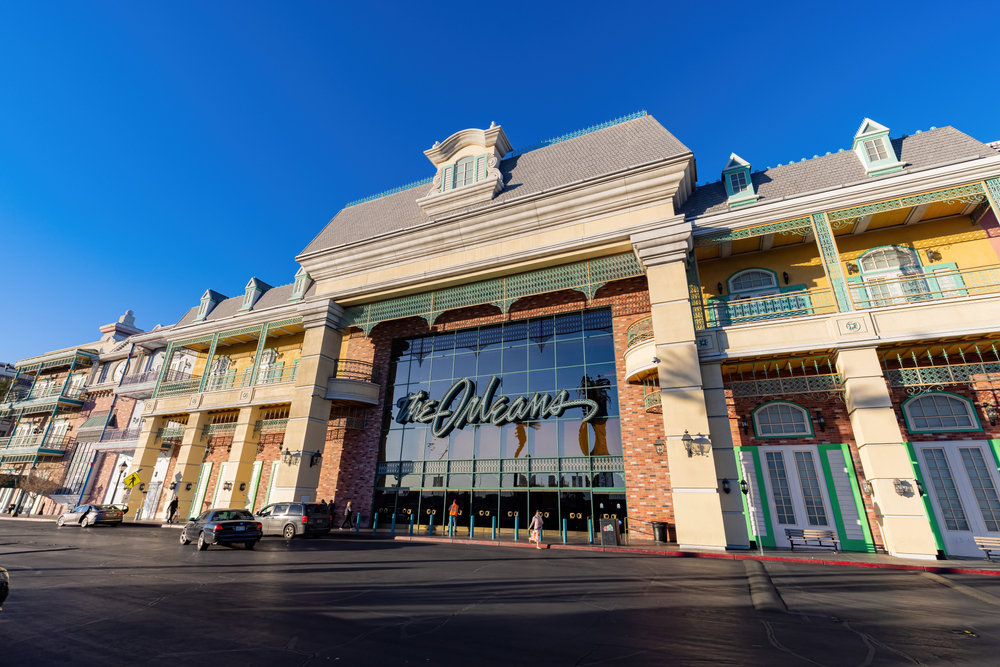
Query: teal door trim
point(763, 540)
point(866, 545)
point(928, 507)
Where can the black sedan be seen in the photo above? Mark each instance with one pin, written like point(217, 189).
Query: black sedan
point(222, 526)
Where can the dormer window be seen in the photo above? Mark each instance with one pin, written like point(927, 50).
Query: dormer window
point(873, 148)
point(208, 301)
point(468, 170)
point(739, 186)
point(254, 289)
point(301, 284)
point(465, 172)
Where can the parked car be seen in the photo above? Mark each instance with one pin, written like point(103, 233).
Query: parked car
point(222, 526)
point(91, 515)
point(292, 519)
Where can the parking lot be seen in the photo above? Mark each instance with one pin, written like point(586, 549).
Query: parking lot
point(128, 595)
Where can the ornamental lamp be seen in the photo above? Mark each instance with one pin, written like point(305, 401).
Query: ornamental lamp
point(659, 445)
point(287, 457)
point(122, 468)
point(821, 421)
point(725, 485)
point(744, 487)
point(227, 486)
point(991, 412)
point(688, 442)
point(745, 425)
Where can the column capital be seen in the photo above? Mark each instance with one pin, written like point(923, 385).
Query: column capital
point(664, 242)
point(326, 312)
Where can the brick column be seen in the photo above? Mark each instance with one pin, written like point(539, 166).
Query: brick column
point(905, 528)
point(146, 452)
point(694, 483)
point(309, 413)
point(241, 458)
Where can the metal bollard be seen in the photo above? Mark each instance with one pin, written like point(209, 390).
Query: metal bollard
point(357, 523)
point(565, 534)
point(515, 528)
point(430, 524)
point(494, 528)
point(374, 523)
point(472, 526)
point(451, 529)
point(590, 529)
point(411, 523)
point(392, 529)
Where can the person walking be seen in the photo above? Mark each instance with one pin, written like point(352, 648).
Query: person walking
point(452, 516)
point(536, 529)
point(172, 510)
point(348, 519)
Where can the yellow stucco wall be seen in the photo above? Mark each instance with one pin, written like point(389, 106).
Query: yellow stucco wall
point(957, 240)
point(802, 262)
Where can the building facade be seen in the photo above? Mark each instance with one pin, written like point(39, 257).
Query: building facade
point(582, 328)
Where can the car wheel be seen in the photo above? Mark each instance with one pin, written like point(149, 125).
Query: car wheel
point(184, 538)
point(289, 532)
point(249, 545)
point(202, 544)
point(60, 522)
point(85, 523)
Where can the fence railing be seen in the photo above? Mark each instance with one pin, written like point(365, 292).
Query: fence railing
point(171, 433)
point(351, 369)
point(784, 386)
point(639, 331)
point(57, 442)
point(178, 387)
point(120, 434)
point(140, 378)
point(54, 389)
point(277, 375)
point(943, 375)
point(270, 425)
point(927, 286)
point(654, 402)
point(800, 303)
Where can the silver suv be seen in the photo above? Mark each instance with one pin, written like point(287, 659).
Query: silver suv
point(292, 519)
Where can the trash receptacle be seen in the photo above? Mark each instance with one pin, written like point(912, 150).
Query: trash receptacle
point(609, 533)
point(659, 531)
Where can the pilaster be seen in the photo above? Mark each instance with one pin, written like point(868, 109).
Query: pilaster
point(241, 458)
point(905, 527)
point(146, 451)
point(188, 467)
point(831, 260)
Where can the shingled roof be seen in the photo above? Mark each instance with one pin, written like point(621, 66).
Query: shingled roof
point(276, 296)
point(602, 152)
point(927, 149)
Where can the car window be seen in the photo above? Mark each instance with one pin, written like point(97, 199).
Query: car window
point(242, 514)
point(204, 516)
point(280, 509)
point(105, 508)
point(295, 509)
point(318, 509)
point(265, 511)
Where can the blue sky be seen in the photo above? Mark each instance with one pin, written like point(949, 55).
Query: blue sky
point(149, 151)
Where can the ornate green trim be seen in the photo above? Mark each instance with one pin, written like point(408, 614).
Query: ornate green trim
point(968, 194)
point(928, 507)
point(831, 261)
point(208, 362)
point(261, 342)
point(797, 227)
point(993, 192)
point(271, 326)
point(694, 292)
point(585, 277)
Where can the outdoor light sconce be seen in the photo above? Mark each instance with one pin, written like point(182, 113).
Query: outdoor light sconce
point(920, 488)
point(869, 489)
point(725, 485)
point(314, 459)
point(932, 255)
point(744, 487)
point(187, 487)
point(991, 412)
point(227, 486)
point(243, 486)
point(142, 487)
point(852, 268)
point(719, 285)
point(290, 459)
point(659, 445)
point(692, 447)
point(902, 488)
point(784, 274)
point(656, 360)
point(745, 425)
point(821, 421)
point(173, 485)
point(122, 468)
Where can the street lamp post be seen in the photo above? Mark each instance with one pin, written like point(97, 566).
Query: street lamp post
point(121, 471)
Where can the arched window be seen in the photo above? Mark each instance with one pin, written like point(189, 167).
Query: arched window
point(465, 172)
point(889, 258)
point(940, 411)
point(782, 420)
point(267, 358)
point(220, 366)
point(753, 280)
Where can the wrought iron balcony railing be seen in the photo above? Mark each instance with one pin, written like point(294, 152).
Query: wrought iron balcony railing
point(927, 286)
point(801, 303)
point(639, 331)
point(121, 434)
point(277, 375)
point(190, 384)
point(270, 425)
point(49, 390)
point(654, 402)
point(36, 441)
point(351, 369)
point(140, 378)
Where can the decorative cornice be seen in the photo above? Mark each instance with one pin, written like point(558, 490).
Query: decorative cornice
point(663, 242)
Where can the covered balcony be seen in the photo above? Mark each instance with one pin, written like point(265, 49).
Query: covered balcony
point(33, 444)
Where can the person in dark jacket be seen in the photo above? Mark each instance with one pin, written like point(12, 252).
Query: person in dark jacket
point(172, 510)
point(4, 586)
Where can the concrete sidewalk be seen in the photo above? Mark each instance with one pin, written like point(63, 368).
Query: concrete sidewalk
point(126, 522)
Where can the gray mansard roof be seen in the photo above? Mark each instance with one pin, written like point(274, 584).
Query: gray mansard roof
point(276, 296)
point(602, 152)
point(927, 149)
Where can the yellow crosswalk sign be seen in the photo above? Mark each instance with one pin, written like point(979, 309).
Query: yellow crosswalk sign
point(132, 480)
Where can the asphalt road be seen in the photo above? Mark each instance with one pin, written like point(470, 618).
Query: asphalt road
point(134, 596)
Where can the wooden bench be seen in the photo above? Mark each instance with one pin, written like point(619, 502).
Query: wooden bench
point(818, 536)
point(988, 544)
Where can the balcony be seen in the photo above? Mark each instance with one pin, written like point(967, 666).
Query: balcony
point(177, 384)
point(926, 286)
point(354, 383)
point(119, 438)
point(276, 375)
point(801, 303)
point(140, 385)
point(640, 349)
point(34, 445)
point(46, 396)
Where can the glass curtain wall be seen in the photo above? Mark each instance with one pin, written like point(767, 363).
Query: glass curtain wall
point(565, 467)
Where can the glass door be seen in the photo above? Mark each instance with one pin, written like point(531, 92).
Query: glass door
point(963, 483)
point(796, 491)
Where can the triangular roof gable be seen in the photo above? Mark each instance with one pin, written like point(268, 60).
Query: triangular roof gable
point(868, 127)
point(735, 162)
point(257, 283)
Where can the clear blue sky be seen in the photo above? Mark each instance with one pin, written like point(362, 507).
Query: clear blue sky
point(149, 151)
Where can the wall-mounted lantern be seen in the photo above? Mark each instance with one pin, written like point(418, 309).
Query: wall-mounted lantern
point(227, 486)
point(821, 421)
point(991, 412)
point(852, 268)
point(784, 274)
point(659, 445)
point(745, 425)
point(719, 285)
point(725, 485)
point(744, 487)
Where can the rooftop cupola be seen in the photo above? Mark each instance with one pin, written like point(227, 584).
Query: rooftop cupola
point(209, 300)
point(739, 187)
point(874, 149)
point(467, 172)
point(254, 289)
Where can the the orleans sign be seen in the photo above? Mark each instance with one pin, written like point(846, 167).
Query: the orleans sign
point(460, 407)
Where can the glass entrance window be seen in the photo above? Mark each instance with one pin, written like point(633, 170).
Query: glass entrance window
point(811, 493)
point(944, 490)
point(513, 505)
point(779, 488)
point(982, 486)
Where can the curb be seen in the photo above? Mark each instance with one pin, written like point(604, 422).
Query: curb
point(668, 553)
point(763, 594)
